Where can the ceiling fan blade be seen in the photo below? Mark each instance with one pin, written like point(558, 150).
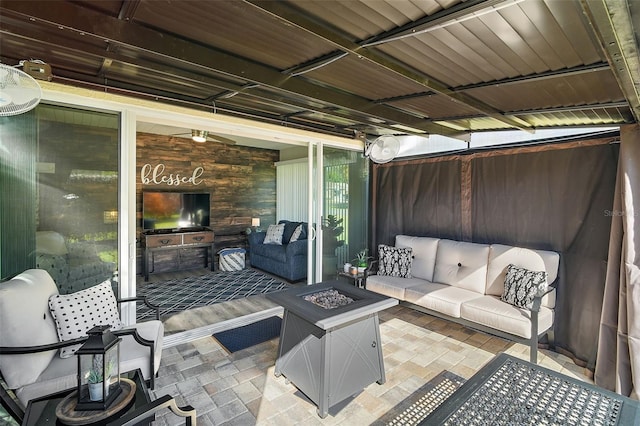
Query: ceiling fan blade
point(221, 139)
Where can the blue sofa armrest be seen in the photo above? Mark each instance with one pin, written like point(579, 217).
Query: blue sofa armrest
point(256, 238)
point(296, 248)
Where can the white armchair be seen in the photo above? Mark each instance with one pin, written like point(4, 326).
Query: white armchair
point(30, 363)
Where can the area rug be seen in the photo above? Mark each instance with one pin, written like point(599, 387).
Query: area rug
point(193, 292)
point(422, 402)
point(249, 335)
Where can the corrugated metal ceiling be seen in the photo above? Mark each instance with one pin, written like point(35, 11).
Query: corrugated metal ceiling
point(347, 67)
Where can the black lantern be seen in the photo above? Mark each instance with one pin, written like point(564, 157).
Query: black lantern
point(98, 369)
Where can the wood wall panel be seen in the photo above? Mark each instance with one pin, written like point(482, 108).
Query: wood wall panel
point(241, 180)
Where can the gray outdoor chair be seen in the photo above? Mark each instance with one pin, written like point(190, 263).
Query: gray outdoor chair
point(30, 364)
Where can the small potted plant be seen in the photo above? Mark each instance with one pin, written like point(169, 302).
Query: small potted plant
point(362, 260)
point(95, 379)
point(95, 385)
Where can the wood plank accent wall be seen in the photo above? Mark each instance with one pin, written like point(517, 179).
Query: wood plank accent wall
point(241, 180)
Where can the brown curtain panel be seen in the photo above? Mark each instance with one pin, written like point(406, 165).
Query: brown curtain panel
point(419, 198)
point(618, 362)
point(553, 197)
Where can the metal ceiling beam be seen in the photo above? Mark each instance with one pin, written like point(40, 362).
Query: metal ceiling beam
point(613, 22)
point(428, 23)
point(571, 108)
point(125, 89)
point(224, 87)
point(567, 72)
point(290, 16)
point(72, 17)
point(128, 9)
point(541, 111)
point(601, 66)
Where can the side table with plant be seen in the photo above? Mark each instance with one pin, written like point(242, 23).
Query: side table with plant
point(362, 260)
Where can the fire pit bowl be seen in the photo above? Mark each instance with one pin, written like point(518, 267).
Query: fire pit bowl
point(328, 299)
point(330, 353)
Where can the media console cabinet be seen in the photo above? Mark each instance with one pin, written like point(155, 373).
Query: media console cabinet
point(166, 251)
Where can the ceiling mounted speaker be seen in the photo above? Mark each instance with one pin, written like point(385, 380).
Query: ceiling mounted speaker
point(19, 92)
point(383, 149)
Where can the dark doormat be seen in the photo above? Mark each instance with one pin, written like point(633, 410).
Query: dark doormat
point(249, 335)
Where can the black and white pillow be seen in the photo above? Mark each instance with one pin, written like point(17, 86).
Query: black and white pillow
point(297, 233)
point(274, 234)
point(521, 285)
point(78, 312)
point(394, 261)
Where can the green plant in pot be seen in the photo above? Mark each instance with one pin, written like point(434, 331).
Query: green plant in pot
point(331, 230)
point(95, 378)
point(362, 260)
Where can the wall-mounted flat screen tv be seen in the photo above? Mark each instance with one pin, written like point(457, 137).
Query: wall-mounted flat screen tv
point(175, 210)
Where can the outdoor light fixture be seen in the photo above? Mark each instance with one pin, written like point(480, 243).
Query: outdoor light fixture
point(199, 135)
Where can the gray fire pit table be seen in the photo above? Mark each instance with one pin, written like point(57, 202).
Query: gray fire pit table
point(330, 354)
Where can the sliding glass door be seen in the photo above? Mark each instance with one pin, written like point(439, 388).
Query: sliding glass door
point(68, 207)
point(344, 208)
point(333, 201)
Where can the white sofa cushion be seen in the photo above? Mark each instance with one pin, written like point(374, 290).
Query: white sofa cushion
point(391, 286)
point(441, 298)
point(137, 356)
point(424, 251)
point(500, 256)
point(492, 312)
point(461, 264)
point(25, 321)
point(61, 372)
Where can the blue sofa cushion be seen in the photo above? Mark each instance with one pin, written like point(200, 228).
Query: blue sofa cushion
point(290, 227)
point(271, 251)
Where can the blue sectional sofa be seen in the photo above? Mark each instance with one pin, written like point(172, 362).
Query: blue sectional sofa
point(288, 260)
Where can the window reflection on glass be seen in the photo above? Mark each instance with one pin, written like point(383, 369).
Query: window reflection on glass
point(77, 202)
point(345, 208)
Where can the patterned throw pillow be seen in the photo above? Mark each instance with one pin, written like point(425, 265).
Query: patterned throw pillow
point(521, 285)
point(297, 233)
point(78, 312)
point(394, 261)
point(274, 234)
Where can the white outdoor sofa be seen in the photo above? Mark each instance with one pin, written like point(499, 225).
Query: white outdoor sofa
point(463, 282)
